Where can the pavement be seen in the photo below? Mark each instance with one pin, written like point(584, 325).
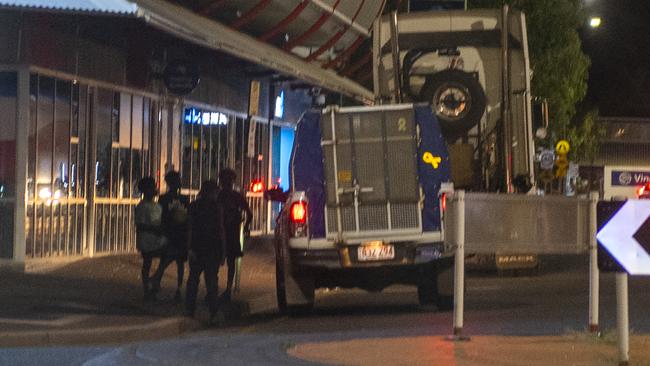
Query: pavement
point(76, 301)
point(90, 301)
point(579, 349)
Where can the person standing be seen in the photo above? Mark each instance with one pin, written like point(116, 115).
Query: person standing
point(206, 248)
point(234, 204)
point(174, 224)
point(149, 239)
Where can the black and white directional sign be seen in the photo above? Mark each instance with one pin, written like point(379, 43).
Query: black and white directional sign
point(626, 236)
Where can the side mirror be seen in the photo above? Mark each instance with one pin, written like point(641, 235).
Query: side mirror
point(276, 194)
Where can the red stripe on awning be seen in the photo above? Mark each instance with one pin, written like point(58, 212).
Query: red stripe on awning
point(336, 36)
point(316, 26)
point(345, 54)
point(212, 7)
point(351, 69)
point(285, 22)
point(250, 15)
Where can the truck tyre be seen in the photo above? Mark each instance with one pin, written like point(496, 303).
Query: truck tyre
point(436, 286)
point(456, 98)
point(445, 285)
point(295, 294)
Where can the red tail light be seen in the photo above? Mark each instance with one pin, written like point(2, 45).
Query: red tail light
point(256, 186)
point(443, 202)
point(298, 219)
point(298, 212)
point(639, 191)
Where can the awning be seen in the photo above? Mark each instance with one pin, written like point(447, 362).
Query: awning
point(205, 32)
point(197, 29)
point(116, 7)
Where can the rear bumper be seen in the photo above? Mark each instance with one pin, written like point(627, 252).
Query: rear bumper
point(406, 254)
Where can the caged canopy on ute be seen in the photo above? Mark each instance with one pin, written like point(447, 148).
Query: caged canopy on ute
point(364, 209)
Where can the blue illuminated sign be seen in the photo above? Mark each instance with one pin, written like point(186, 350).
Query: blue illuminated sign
point(629, 178)
point(194, 116)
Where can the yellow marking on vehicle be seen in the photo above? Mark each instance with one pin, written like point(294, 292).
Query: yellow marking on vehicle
point(428, 158)
point(345, 176)
point(401, 124)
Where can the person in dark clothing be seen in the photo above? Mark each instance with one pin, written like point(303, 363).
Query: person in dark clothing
point(206, 248)
point(234, 204)
point(174, 224)
point(149, 241)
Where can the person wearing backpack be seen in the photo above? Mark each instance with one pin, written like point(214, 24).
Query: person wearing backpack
point(149, 240)
point(174, 223)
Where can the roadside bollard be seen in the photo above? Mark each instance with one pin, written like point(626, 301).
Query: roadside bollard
point(622, 319)
point(594, 274)
point(459, 267)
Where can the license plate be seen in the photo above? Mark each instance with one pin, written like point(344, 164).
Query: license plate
point(375, 251)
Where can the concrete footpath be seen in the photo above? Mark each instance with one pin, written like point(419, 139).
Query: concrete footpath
point(574, 349)
point(100, 300)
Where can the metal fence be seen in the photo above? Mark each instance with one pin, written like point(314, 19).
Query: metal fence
point(513, 223)
point(6, 225)
point(258, 206)
point(114, 225)
point(55, 227)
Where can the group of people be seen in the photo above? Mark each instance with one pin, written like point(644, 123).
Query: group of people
point(205, 232)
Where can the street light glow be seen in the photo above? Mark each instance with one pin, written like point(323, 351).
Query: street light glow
point(594, 22)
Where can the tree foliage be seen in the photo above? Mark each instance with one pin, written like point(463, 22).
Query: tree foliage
point(586, 137)
point(560, 67)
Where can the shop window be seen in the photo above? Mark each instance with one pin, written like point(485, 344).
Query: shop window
point(8, 82)
point(136, 141)
point(62, 115)
point(187, 153)
point(8, 85)
point(146, 137)
point(44, 135)
point(104, 135)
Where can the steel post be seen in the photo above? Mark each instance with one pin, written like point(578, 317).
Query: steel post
point(394, 42)
point(594, 274)
point(506, 159)
point(622, 319)
point(459, 267)
point(22, 148)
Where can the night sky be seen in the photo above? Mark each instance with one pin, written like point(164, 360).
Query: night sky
point(619, 78)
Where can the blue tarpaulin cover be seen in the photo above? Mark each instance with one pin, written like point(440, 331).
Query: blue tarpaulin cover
point(307, 170)
point(430, 177)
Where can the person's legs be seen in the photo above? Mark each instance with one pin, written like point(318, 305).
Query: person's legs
point(165, 261)
point(210, 274)
point(180, 272)
point(146, 268)
point(231, 261)
point(192, 287)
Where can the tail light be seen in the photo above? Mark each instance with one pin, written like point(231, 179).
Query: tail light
point(443, 202)
point(640, 191)
point(256, 186)
point(298, 218)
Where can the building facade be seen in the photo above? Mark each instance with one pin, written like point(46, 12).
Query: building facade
point(84, 114)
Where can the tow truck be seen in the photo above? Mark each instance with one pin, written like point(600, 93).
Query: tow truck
point(368, 184)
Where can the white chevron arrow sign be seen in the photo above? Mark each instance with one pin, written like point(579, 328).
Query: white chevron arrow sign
point(619, 236)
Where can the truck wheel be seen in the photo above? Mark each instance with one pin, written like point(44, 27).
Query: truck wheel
point(436, 285)
point(294, 295)
point(457, 98)
point(427, 293)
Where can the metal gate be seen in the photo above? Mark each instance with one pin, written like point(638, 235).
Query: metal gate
point(371, 170)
